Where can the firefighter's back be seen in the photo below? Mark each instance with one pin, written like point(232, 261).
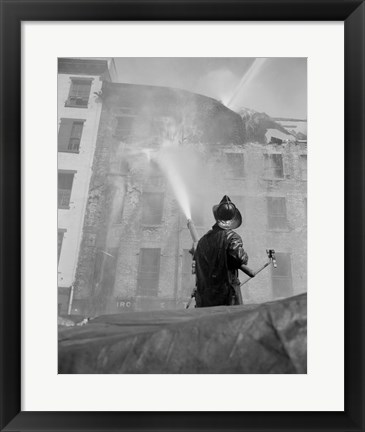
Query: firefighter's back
point(213, 287)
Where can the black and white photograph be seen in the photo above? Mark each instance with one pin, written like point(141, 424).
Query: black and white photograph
point(208, 267)
point(182, 215)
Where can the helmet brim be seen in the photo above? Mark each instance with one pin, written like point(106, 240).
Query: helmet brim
point(233, 223)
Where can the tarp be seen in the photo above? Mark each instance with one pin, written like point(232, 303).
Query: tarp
point(248, 339)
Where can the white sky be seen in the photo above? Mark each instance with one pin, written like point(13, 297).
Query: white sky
point(277, 86)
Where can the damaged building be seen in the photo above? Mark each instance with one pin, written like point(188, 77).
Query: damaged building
point(134, 252)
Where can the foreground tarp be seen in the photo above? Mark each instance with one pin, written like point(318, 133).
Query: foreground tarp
point(254, 339)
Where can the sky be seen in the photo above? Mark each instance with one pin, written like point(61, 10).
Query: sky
point(276, 86)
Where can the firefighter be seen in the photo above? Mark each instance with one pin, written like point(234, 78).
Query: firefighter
point(218, 257)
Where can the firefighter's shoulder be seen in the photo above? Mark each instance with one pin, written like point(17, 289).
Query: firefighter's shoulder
point(233, 236)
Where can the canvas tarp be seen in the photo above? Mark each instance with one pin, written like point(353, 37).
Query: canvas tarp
point(249, 339)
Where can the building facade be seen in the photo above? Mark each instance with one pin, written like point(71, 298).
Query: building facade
point(79, 108)
point(154, 141)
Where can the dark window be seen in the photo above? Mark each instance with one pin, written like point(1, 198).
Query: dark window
point(69, 135)
point(152, 208)
point(303, 166)
point(276, 212)
point(187, 278)
point(281, 276)
point(124, 127)
point(148, 271)
point(79, 93)
point(60, 234)
point(236, 164)
point(65, 180)
point(273, 166)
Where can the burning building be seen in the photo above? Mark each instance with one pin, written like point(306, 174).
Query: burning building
point(163, 155)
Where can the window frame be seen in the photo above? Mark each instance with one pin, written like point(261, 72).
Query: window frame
point(117, 131)
point(77, 150)
point(69, 103)
point(63, 122)
point(270, 218)
point(70, 172)
point(267, 173)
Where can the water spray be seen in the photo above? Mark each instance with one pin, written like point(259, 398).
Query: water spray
point(169, 165)
point(248, 76)
point(193, 231)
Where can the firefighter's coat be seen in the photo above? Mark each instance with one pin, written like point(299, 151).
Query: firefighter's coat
point(218, 256)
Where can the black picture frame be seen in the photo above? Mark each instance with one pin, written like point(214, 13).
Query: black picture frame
point(13, 12)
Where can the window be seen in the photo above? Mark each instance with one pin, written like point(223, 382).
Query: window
point(148, 271)
point(281, 276)
point(79, 93)
point(152, 208)
point(303, 166)
point(273, 166)
point(276, 213)
point(124, 127)
point(65, 180)
point(187, 278)
point(69, 135)
point(236, 164)
point(60, 234)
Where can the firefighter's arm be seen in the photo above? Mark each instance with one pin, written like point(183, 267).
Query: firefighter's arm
point(236, 251)
point(247, 270)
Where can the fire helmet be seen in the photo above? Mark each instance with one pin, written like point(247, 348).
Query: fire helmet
point(227, 214)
